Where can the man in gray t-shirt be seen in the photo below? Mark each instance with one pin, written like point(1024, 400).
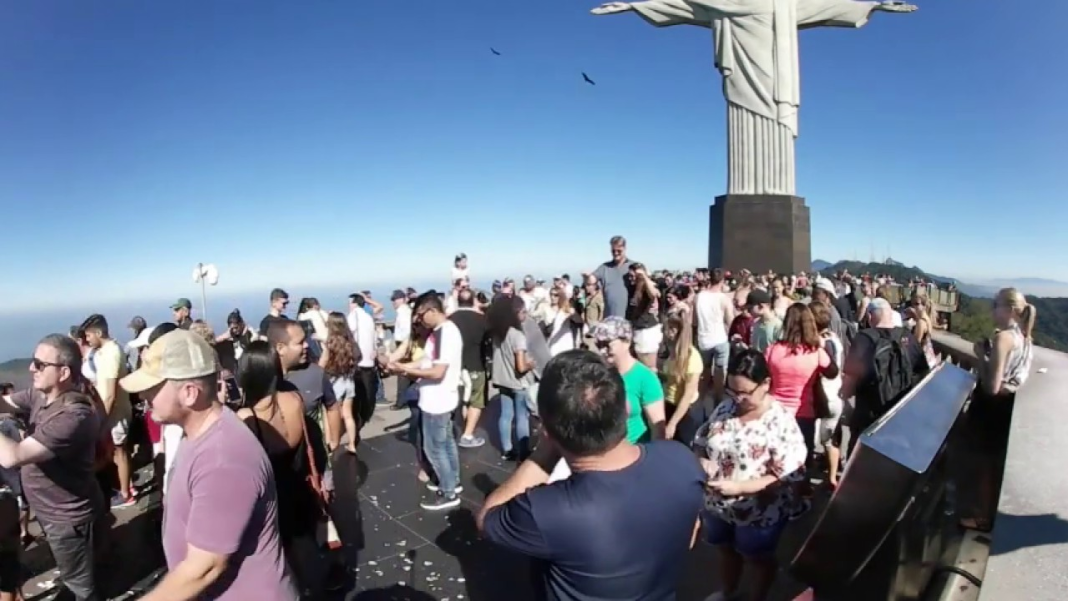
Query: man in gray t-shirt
point(612, 277)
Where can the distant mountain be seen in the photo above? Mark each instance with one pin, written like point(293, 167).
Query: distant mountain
point(16, 371)
point(820, 265)
point(974, 319)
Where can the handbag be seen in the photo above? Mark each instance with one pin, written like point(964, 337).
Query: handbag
point(325, 532)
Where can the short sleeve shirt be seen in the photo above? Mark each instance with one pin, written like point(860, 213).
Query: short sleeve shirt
point(623, 534)
point(504, 373)
point(110, 364)
point(221, 498)
point(314, 387)
point(62, 489)
point(443, 347)
point(643, 389)
point(673, 391)
point(771, 445)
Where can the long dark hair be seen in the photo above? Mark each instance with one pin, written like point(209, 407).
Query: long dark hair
point(503, 315)
point(260, 370)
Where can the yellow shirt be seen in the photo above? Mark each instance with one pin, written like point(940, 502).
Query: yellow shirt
point(417, 351)
point(694, 366)
point(111, 365)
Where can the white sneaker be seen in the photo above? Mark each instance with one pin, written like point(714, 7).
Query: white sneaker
point(434, 488)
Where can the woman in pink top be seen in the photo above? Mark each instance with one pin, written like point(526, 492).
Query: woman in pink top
point(796, 363)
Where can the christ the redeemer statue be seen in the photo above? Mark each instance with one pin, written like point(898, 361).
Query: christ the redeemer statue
point(756, 51)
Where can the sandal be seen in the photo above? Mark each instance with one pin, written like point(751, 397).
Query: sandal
point(977, 524)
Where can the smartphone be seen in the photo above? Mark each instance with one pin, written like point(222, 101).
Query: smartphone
point(233, 393)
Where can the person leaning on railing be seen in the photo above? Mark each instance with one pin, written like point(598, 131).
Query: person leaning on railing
point(1004, 362)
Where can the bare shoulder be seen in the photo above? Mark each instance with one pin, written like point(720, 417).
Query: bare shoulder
point(290, 402)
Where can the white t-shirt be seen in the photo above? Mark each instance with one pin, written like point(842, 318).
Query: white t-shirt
point(365, 336)
point(460, 273)
point(444, 346)
point(709, 307)
point(402, 325)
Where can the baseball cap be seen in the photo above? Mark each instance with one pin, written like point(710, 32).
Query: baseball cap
point(757, 297)
point(827, 286)
point(182, 303)
point(138, 323)
point(612, 328)
point(398, 294)
point(177, 355)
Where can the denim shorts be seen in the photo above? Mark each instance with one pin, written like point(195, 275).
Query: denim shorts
point(750, 541)
point(716, 356)
point(344, 388)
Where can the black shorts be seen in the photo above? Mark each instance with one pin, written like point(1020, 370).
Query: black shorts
point(990, 419)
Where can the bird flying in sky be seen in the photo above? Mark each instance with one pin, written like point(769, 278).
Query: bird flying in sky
point(588, 80)
point(494, 51)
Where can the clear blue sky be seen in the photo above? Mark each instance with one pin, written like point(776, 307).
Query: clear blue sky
point(297, 143)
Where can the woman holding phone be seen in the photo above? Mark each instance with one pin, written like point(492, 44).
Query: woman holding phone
point(754, 455)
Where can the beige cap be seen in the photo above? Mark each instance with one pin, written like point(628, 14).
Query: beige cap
point(177, 355)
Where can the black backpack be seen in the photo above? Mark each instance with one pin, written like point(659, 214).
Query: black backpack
point(892, 373)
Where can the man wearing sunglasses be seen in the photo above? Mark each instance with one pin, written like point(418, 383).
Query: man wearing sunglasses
point(56, 458)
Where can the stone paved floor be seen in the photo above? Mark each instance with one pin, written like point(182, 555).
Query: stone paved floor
point(400, 551)
point(405, 552)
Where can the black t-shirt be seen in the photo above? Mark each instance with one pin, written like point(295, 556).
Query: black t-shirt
point(608, 535)
point(472, 326)
point(265, 324)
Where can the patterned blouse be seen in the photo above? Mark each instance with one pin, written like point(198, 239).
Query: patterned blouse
point(771, 445)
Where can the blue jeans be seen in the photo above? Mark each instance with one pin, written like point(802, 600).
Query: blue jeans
point(439, 444)
point(514, 408)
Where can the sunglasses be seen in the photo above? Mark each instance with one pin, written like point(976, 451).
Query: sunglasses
point(39, 365)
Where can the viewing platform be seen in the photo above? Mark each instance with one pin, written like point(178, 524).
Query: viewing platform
point(405, 553)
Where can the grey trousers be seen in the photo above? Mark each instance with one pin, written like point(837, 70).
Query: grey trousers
point(73, 549)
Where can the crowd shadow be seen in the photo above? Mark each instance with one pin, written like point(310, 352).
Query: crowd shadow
point(1015, 532)
point(490, 573)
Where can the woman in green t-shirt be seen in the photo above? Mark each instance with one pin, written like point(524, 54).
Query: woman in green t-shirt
point(645, 396)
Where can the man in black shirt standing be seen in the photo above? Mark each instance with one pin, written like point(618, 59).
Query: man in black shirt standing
point(621, 526)
point(472, 325)
point(277, 313)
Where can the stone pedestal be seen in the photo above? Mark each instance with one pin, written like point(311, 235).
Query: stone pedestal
point(759, 232)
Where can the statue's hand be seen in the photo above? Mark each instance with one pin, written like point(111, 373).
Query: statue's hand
point(896, 6)
point(611, 8)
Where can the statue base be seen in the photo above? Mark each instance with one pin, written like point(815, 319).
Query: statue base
point(759, 232)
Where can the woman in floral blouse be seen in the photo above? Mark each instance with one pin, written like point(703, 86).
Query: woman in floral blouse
point(754, 455)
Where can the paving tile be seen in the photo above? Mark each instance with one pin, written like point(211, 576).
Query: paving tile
point(395, 491)
point(382, 537)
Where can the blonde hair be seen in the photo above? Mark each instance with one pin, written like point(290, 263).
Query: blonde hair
point(204, 330)
point(1022, 311)
point(680, 322)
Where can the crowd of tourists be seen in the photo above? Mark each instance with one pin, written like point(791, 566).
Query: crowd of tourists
point(644, 411)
